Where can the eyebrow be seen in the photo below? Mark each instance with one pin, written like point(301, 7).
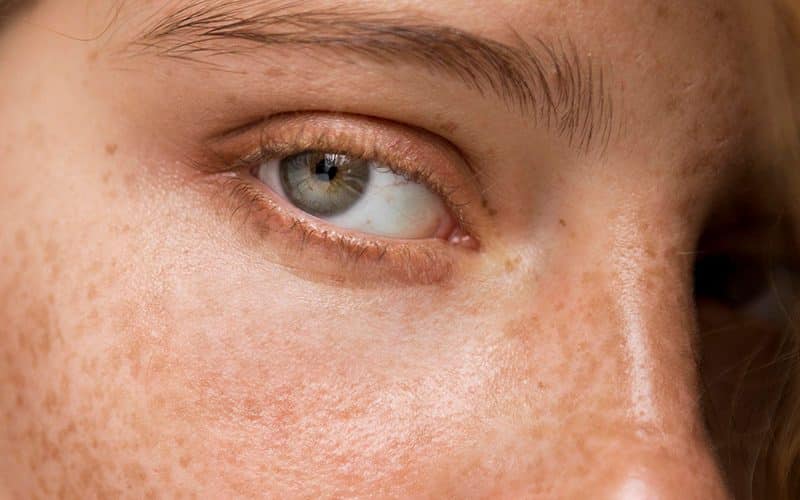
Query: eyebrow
point(552, 83)
point(10, 7)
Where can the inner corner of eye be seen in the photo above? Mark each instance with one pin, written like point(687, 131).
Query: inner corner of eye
point(360, 195)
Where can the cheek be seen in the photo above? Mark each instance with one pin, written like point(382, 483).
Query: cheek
point(298, 392)
point(152, 373)
point(184, 366)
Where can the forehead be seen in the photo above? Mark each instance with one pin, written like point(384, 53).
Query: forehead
point(696, 65)
point(691, 63)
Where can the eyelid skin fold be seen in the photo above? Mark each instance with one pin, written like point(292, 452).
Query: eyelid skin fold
point(415, 154)
point(329, 252)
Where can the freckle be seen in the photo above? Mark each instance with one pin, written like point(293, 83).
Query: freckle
point(672, 104)
point(720, 16)
point(50, 251)
point(129, 180)
point(252, 410)
point(91, 293)
point(184, 461)
point(662, 12)
point(111, 149)
point(106, 178)
point(51, 402)
point(135, 473)
point(21, 240)
point(275, 73)
point(92, 56)
point(485, 204)
point(562, 222)
point(521, 329)
point(55, 271)
point(510, 265)
point(449, 126)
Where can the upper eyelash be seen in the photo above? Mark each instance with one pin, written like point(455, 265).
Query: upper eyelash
point(269, 151)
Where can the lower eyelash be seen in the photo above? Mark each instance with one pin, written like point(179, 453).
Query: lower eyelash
point(349, 257)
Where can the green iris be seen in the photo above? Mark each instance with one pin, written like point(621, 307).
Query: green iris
point(324, 184)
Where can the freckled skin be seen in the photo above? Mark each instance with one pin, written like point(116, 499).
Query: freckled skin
point(145, 352)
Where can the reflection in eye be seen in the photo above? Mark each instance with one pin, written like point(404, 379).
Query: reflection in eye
point(357, 194)
point(324, 184)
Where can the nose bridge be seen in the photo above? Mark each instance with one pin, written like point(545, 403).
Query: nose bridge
point(605, 368)
point(650, 285)
point(660, 450)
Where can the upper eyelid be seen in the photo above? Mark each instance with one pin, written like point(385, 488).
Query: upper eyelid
point(415, 154)
point(354, 135)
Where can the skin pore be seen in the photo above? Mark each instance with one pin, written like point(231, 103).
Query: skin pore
point(171, 327)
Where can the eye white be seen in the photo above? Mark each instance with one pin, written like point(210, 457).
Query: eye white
point(390, 206)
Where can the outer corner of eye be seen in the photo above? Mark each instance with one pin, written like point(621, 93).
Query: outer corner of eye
point(362, 195)
point(459, 237)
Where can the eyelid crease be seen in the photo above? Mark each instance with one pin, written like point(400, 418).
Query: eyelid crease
point(554, 83)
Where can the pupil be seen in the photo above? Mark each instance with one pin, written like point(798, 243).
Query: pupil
point(326, 168)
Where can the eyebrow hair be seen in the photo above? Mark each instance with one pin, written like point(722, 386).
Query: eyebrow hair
point(550, 82)
point(10, 7)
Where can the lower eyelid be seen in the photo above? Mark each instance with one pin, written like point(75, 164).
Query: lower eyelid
point(327, 253)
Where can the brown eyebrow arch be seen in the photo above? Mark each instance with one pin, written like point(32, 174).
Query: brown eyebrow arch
point(550, 82)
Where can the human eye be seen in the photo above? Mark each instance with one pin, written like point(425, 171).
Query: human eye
point(354, 190)
point(358, 194)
